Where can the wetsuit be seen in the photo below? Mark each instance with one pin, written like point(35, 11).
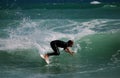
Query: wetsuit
point(55, 44)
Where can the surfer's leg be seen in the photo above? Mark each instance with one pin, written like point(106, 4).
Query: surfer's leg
point(55, 49)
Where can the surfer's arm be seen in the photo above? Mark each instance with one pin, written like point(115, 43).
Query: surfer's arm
point(69, 51)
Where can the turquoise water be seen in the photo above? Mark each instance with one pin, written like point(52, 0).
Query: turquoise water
point(26, 33)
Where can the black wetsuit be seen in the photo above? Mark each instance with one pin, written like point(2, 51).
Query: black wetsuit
point(55, 44)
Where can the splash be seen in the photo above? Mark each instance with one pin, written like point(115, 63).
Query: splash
point(38, 33)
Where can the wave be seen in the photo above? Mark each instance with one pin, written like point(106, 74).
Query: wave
point(98, 13)
point(110, 6)
point(97, 48)
point(95, 40)
point(93, 4)
point(39, 33)
point(50, 6)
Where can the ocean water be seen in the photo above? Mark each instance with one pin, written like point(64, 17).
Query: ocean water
point(26, 33)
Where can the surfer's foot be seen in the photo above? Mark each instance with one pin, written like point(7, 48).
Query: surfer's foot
point(46, 56)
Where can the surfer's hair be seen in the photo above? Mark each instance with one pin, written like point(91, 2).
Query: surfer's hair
point(70, 42)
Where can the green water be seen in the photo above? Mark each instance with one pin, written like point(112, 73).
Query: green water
point(26, 33)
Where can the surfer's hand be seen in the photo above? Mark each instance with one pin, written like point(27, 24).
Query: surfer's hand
point(72, 53)
point(68, 51)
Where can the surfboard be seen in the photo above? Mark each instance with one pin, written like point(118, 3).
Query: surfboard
point(46, 60)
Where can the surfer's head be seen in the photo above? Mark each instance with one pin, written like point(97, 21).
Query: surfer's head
point(70, 43)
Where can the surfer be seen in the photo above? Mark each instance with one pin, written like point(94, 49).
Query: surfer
point(56, 44)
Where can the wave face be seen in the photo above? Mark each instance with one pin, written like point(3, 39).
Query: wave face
point(24, 34)
point(97, 44)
